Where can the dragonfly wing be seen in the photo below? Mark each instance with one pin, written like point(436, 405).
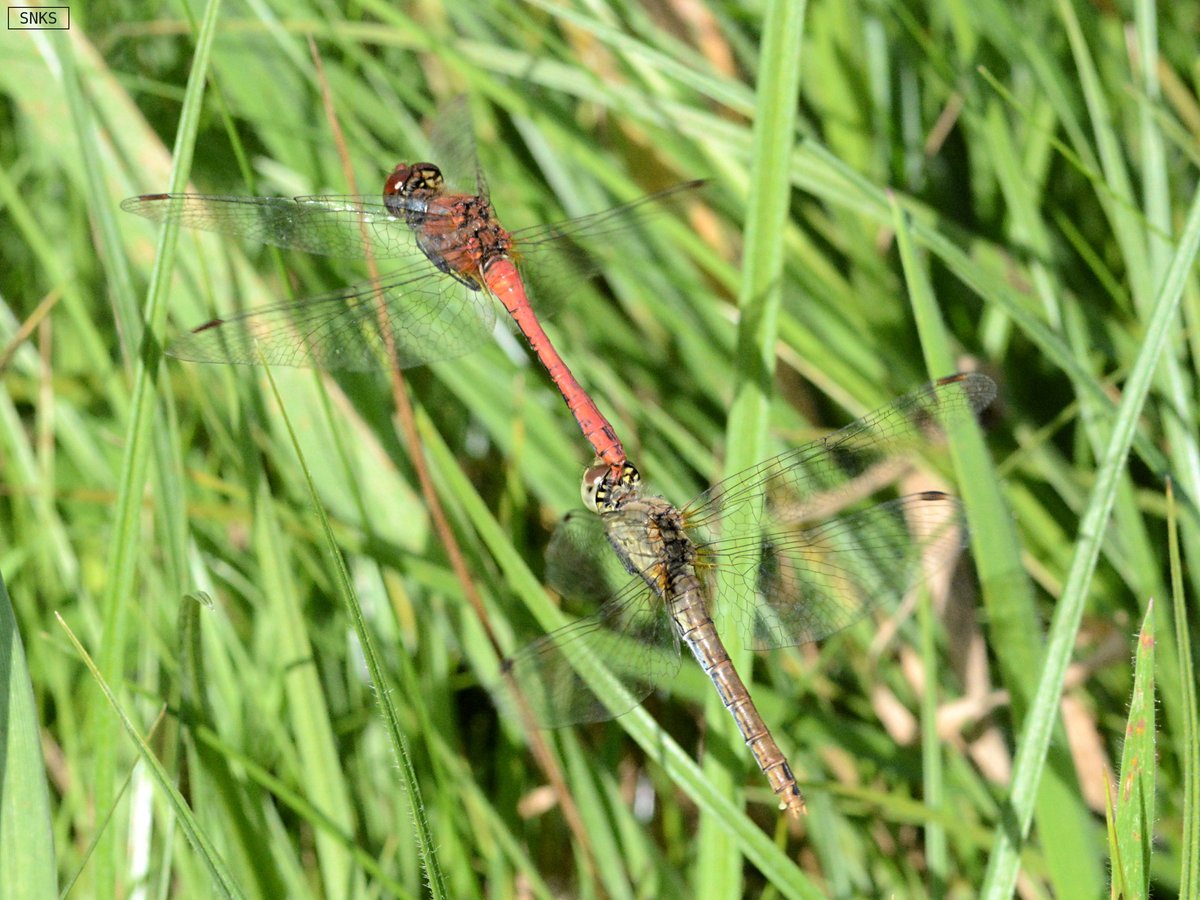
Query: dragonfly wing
point(604, 226)
point(797, 585)
point(344, 226)
point(798, 574)
point(821, 474)
point(556, 257)
point(427, 318)
point(452, 141)
point(633, 637)
point(580, 564)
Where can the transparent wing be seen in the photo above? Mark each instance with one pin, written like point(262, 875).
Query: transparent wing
point(615, 221)
point(429, 318)
point(796, 578)
point(342, 226)
point(631, 633)
point(580, 563)
point(798, 585)
point(552, 258)
point(452, 140)
point(354, 227)
point(795, 486)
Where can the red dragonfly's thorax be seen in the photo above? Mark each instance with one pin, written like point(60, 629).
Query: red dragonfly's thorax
point(457, 232)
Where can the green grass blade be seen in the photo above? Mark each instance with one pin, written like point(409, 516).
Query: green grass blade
point(1189, 875)
point(718, 872)
point(1007, 594)
point(1135, 793)
point(760, 291)
point(426, 845)
point(27, 866)
point(1035, 737)
point(311, 717)
point(933, 770)
point(222, 881)
point(125, 539)
point(213, 776)
point(939, 362)
point(818, 172)
point(1118, 886)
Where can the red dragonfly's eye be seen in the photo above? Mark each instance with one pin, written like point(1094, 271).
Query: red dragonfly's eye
point(416, 180)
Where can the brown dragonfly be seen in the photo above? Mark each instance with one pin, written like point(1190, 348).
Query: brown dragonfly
point(759, 540)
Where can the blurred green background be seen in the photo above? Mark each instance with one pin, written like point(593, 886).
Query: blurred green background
point(1043, 156)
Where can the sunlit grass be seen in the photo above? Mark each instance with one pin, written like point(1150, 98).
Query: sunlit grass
point(988, 188)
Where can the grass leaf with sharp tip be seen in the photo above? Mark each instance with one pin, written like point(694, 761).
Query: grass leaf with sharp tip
point(26, 842)
point(1135, 791)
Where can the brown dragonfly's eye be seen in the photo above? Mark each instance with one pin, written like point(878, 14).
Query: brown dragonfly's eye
point(594, 490)
point(630, 477)
point(603, 490)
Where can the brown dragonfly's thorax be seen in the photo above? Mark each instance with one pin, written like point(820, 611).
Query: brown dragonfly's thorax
point(457, 232)
point(656, 549)
point(678, 552)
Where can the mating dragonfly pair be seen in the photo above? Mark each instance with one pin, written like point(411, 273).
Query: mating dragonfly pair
point(758, 540)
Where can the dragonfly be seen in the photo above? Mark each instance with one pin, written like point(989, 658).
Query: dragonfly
point(766, 540)
point(454, 259)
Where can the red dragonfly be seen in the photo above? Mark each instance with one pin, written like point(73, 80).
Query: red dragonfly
point(456, 257)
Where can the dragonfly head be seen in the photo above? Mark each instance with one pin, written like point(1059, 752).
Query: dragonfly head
point(606, 489)
point(415, 181)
